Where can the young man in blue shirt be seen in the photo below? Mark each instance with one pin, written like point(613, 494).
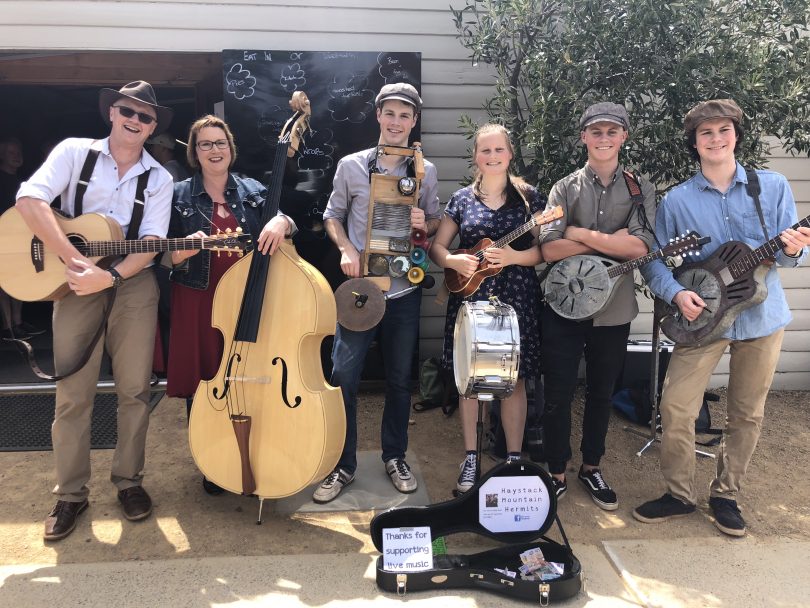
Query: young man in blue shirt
point(715, 201)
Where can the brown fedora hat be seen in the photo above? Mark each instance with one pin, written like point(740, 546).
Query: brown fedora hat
point(139, 91)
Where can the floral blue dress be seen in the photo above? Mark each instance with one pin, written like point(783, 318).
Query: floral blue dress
point(515, 285)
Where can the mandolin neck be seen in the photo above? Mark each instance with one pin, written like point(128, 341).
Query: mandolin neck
point(630, 265)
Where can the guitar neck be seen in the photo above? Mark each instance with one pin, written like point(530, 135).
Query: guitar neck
point(505, 240)
point(629, 265)
point(766, 251)
point(104, 249)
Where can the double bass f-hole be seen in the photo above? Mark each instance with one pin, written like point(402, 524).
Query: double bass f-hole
point(284, 383)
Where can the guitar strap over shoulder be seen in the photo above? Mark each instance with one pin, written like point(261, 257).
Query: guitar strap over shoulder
point(754, 190)
point(132, 234)
point(633, 187)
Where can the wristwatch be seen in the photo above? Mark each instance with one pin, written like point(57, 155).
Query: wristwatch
point(117, 279)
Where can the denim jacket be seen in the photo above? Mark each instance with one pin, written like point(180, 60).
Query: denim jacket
point(192, 209)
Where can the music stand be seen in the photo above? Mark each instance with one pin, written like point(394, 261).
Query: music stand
point(653, 435)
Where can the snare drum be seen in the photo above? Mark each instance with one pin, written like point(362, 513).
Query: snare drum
point(486, 349)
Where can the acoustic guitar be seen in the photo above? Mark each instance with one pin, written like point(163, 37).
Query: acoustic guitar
point(730, 280)
point(30, 272)
point(581, 286)
point(466, 286)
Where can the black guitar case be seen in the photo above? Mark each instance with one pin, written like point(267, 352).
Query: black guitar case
point(514, 504)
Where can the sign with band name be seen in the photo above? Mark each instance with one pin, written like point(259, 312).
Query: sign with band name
point(513, 504)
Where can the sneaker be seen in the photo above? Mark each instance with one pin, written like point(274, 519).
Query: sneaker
point(560, 487)
point(727, 516)
point(662, 509)
point(468, 477)
point(332, 486)
point(511, 458)
point(597, 487)
point(400, 474)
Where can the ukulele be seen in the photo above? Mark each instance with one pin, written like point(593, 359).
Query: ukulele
point(466, 286)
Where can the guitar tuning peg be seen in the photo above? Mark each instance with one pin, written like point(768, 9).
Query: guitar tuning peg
point(238, 230)
point(227, 231)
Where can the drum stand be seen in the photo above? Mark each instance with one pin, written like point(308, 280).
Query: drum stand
point(655, 398)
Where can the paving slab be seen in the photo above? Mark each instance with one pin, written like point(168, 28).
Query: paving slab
point(714, 572)
point(286, 581)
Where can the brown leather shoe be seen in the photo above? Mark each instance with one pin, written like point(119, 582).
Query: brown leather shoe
point(136, 502)
point(62, 519)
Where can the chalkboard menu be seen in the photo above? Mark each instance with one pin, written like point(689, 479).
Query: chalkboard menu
point(341, 87)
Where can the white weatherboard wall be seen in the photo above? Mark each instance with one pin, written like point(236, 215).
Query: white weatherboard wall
point(451, 87)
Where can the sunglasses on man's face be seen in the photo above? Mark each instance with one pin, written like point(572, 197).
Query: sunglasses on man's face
point(143, 117)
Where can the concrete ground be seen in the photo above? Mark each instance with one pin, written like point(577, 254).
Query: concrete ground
point(203, 551)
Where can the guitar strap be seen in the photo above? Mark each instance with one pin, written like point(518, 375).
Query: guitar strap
point(754, 190)
point(636, 196)
point(132, 234)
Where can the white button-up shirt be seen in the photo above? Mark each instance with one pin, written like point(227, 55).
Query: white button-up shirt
point(106, 193)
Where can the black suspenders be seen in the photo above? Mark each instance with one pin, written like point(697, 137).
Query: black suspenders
point(137, 209)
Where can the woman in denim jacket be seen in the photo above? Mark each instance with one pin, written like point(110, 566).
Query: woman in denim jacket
point(212, 200)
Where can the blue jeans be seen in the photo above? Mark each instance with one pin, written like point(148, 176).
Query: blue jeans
point(398, 335)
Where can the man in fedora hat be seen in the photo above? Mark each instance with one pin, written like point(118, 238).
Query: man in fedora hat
point(116, 177)
point(719, 202)
point(346, 219)
point(602, 216)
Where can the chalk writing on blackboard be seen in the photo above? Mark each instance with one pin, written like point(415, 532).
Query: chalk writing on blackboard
point(240, 83)
point(270, 123)
point(292, 78)
point(392, 70)
point(316, 153)
point(350, 99)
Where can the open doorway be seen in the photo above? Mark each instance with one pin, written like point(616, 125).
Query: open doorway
point(50, 95)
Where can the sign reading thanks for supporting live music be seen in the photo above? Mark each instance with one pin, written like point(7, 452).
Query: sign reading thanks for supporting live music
point(513, 504)
point(407, 549)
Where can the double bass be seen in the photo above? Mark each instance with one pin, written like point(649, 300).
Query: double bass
point(268, 424)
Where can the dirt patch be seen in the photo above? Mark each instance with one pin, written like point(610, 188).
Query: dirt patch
point(189, 523)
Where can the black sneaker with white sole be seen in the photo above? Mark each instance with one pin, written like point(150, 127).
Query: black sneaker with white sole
point(601, 493)
point(727, 516)
point(469, 473)
point(560, 487)
point(662, 509)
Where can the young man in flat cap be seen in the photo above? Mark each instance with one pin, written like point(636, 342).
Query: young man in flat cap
point(117, 178)
point(599, 218)
point(346, 218)
point(716, 202)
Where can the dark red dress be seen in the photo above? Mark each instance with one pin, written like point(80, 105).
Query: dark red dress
point(195, 348)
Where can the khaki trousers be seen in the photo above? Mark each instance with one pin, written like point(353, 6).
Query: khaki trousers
point(129, 340)
point(752, 366)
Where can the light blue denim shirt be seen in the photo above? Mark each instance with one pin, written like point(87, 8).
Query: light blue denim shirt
point(729, 216)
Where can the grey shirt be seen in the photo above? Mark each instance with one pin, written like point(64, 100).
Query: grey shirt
point(587, 203)
point(349, 200)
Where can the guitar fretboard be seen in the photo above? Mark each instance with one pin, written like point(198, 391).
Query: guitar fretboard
point(766, 251)
point(505, 240)
point(108, 248)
